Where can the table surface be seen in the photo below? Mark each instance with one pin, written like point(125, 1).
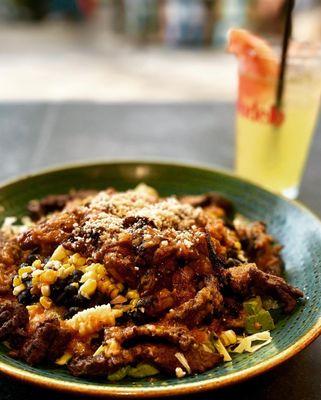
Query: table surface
point(37, 135)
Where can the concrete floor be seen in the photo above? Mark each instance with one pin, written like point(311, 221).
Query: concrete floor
point(60, 60)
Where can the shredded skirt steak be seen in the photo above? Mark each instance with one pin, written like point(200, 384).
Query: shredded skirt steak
point(101, 281)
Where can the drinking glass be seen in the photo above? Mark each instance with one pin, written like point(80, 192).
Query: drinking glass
point(272, 143)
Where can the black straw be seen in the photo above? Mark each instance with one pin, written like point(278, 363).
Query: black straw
point(285, 44)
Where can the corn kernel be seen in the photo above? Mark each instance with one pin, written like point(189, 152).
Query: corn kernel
point(16, 281)
point(69, 270)
point(45, 290)
point(98, 268)
point(45, 302)
point(88, 288)
point(59, 254)
point(18, 289)
point(34, 281)
point(24, 270)
point(228, 337)
point(32, 308)
point(101, 269)
point(37, 272)
point(91, 267)
point(49, 276)
point(53, 264)
point(88, 275)
point(132, 294)
point(36, 264)
point(61, 272)
point(77, 259)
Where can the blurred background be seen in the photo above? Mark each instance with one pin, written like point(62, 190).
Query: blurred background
point(133, 50)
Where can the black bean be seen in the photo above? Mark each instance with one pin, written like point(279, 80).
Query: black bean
point(98, 299)
point(26, 298)
point(28, 284)
point(137, 316)
point(63, 293)
point(124, 319)
point(96, 341)
point(57, 289)
point(66, 298)
point(31, 258)
point(71, 312)
point(76, 275)
point(80, 301)
point(70, 290)
point(59, 299)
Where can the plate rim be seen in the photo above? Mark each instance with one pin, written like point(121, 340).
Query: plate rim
point(183, 388)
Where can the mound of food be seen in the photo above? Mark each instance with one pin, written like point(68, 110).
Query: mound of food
point(118, 284)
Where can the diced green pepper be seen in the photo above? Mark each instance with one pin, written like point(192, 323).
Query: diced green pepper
point(253, 306)
point(119, 374)
point(262, 321)
point(142, 371)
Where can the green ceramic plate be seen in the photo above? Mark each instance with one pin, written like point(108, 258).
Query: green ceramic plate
point(296, 228)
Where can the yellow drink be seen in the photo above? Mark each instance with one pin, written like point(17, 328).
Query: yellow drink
point(272, 146)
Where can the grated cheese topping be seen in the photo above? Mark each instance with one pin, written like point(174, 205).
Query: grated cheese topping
point(119, 204)
point(170, 213)
point(167, 218)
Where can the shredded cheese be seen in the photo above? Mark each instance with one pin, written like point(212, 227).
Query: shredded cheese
point(222, 350)
point(245, 344)
point(182, 359)
point(179, 372)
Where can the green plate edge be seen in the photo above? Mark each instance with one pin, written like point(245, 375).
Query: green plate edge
point(295, 227)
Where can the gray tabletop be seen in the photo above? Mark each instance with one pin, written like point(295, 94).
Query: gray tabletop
point(37, 135)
